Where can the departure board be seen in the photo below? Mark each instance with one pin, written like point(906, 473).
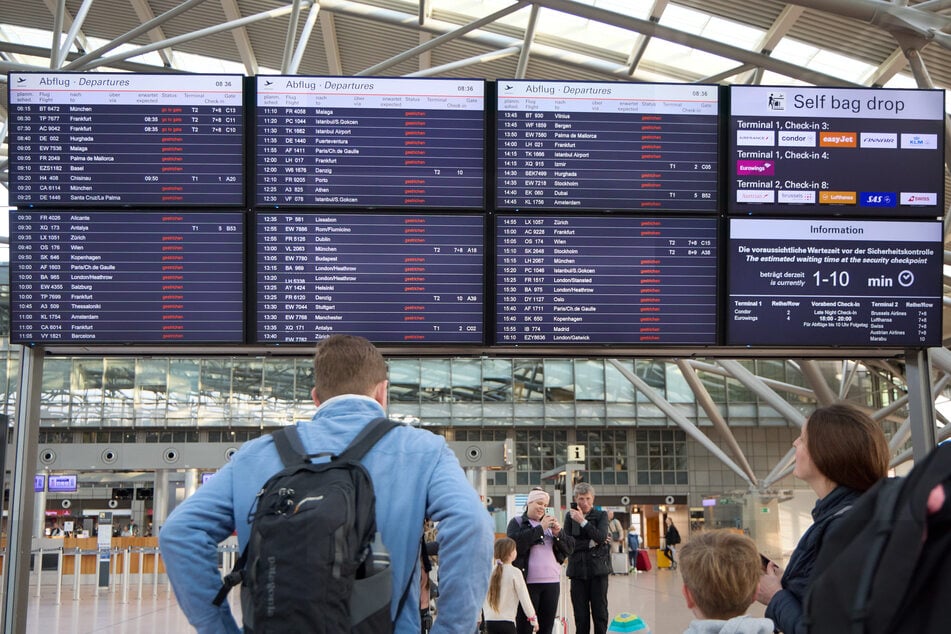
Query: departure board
point(795, 282)
point(126, 277)
point(392, 278)
point(836, 151)
point(370, 142)
point(126, 139)
point(606, 146)
point(606, 280)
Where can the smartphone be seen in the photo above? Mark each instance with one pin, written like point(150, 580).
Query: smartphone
point(574, 505)
point(765, 561)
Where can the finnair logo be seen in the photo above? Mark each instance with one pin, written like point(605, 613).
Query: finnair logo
point(878, 140)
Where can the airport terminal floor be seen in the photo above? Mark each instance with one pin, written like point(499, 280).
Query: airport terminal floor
point(655, 596)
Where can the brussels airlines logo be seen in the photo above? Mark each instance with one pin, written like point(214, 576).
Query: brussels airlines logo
point(756, 168)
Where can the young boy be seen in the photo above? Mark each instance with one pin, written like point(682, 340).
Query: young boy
point(721, 571)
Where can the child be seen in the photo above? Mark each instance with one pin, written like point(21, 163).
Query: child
point(721, 570)
point(506, 590)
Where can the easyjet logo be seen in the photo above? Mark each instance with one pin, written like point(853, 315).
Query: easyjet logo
point(838, 139)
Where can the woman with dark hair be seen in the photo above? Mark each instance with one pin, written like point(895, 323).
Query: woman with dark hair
point(840, 454)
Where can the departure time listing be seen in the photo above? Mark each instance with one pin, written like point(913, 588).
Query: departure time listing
point(370, 142)
point(606, 146)
point(123, 277)
point(606, 279)
point(834, 283)
point(392, 278)
point(126, 139)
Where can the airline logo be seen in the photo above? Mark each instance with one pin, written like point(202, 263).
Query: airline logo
point(879, 140)
point(756, 137)
point(878, 199)
point(797, 197)
point(755, 196)
point(919, 141)
point(797, 139)
point(838, 139)
point(755, 168)
point(918, 198)
point(837, 198)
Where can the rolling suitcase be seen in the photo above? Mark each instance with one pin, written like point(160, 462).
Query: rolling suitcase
point(663, 561)
point(619, 564)
point(643, 560)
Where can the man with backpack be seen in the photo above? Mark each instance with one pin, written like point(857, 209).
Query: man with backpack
point(414, 475)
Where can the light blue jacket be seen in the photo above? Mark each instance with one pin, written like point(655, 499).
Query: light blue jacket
point(415, 475)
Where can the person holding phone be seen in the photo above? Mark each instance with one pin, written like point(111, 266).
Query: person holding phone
point(541, 547)
point(840, 453)
point(589, 566)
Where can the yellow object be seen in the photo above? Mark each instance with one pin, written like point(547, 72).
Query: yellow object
point(662, 560)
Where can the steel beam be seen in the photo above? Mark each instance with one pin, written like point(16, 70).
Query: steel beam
point(309, 23)
point(469, 61)
point(241, 39)
point(16, 566)
point(328, 30)
point(527, 43)
point(679, 419)
point(445, 37)
point(713, 413)
point(920, 402)
point(812, 374)
point(756, 385)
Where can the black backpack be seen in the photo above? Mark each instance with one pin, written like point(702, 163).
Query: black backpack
point(885, 567)
point(314, 561)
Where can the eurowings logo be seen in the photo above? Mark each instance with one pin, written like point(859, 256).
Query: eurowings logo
point(756, 168)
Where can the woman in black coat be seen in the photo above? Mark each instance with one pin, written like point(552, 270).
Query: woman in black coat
point(840, 453)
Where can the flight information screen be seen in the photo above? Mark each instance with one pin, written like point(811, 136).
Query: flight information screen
point(796, 282)
point(836, 151)
point(126, 140)
point(606, 146)
point(606, 279)
point(369, 142)
point(392, 278)
point(126, 277)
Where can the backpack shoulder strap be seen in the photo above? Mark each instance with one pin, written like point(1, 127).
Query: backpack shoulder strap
point(368, 436)
point(289, 445)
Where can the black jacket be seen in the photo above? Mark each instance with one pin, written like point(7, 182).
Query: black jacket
point(785, 608)
point(587, 560)
point(526, 536)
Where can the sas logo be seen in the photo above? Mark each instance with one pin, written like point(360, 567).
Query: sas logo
point(878, 199)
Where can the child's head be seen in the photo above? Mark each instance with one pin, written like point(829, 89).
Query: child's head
point(504, 547)
point(721, 570)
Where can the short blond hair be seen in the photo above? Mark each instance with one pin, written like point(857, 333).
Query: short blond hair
point(722, 571)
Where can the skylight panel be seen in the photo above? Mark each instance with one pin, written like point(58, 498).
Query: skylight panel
point(693, 61)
